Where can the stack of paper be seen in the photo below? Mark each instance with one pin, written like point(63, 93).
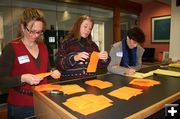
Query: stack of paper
point(144, 82)
point(67, 89)
point(71, 89)
point(176, 65)
point(125, 92)
point(47, 87)
point(98, 83)
point(142, 75)
point(167, 72)
point(88, 103)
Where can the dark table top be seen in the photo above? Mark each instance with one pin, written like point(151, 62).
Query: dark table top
point(122, 108)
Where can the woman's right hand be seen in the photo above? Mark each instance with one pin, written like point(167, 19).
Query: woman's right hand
point(130, 71)
point(81, 56)
point(30, 79)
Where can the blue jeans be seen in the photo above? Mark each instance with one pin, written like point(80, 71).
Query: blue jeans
point(20, 112)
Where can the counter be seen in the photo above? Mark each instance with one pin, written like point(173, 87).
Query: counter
point(149, 102)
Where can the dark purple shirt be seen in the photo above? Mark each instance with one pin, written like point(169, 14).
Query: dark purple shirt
point(76, 69)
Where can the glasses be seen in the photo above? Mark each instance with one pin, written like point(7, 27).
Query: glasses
point(34, 32)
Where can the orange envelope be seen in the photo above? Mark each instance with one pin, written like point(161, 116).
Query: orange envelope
point(94, 58)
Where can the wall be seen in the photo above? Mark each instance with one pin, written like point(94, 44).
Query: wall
point(153, 9)
point(175, 28)
point(60, 19)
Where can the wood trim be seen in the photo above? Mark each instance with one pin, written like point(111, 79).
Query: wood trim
point(124, 5)
point(47, 109)
point(3, 112)
point(116, 20)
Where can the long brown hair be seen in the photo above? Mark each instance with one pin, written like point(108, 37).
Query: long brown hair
point(30, 14)
point(75, 31)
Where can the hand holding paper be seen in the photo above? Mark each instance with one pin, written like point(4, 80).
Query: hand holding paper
point(130, 71)
point(103, 55)
point(54, 74)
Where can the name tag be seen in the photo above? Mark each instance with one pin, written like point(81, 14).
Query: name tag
point(119, 54)
point(23, 59)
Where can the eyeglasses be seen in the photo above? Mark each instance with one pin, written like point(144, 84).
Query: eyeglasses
point(34, 32)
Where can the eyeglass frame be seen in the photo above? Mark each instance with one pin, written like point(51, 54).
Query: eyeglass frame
point(34, 32)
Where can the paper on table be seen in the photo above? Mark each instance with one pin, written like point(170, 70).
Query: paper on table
point(144, 82)
point(94, 98)
point(95, 107)
point(47, 87)
point(43, 75)
point(98, 83)
point(67, 89)
point(88, 103)
point(94, 58)
point(167, 72)
point(71, 89)
point(125, 92)
point(142, 75)
point(176, 65)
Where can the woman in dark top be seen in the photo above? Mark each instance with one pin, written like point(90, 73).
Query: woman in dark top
point(127, 54)
point(73, 54)
point(21, 59)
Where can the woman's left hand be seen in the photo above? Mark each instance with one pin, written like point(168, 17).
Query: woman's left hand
point(55, 74)
point(103, 55)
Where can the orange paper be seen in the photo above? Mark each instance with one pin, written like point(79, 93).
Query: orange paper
point(144, 82)
point(125, 92)
point(47, 87)
point(93, 62)
point(88, 103)
point(71, 89)
point(98, 83)
point(43, 75)
point(67, 89)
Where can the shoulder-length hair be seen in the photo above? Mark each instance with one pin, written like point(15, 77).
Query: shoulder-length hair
point(75, 31)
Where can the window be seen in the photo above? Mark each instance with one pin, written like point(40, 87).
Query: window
point(98, 35)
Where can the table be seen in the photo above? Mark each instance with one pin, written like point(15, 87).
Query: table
point(153, 99)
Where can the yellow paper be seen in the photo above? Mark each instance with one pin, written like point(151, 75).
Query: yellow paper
point(167, 72)
point(176, 65)
point(142, 75)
